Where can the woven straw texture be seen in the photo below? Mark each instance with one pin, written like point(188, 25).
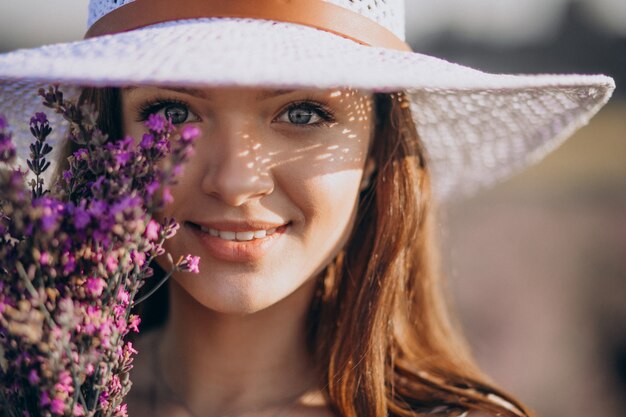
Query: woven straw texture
point(478, 128)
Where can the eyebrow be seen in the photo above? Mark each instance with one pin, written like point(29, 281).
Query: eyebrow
point(206, 95)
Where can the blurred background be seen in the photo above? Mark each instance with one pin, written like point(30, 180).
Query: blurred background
point(537, 264)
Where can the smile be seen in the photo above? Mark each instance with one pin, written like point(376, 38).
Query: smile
point(238, 245)
point(238, 236)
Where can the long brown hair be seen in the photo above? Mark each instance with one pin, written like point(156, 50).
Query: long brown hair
point(378, 327)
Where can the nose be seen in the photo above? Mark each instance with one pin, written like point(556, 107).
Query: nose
point(234, 172)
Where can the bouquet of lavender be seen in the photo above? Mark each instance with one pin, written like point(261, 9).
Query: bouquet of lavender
point(72, 260)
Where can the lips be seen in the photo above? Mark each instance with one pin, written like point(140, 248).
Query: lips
point(237, 242)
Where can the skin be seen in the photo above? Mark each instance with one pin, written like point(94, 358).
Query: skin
point(233, 342)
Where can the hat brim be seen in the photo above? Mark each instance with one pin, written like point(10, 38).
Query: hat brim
point(478, 128)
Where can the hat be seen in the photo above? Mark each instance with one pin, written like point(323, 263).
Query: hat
point(477, 128)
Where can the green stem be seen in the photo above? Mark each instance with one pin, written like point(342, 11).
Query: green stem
point(153, 290)
point(78, 395)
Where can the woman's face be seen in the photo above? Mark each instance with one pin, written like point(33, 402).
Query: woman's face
point(270, 195)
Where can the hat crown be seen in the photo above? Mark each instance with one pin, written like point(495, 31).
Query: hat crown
point(387, 13)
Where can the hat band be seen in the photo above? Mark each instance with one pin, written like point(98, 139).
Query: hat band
point(318, 14)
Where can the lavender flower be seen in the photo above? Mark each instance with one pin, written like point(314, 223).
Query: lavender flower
point(72, 260)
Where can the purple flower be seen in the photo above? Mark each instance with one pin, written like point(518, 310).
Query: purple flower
point(156, 123)
point(189, 133)
point(51, 211)
point(89, 233)
point(65, 383)
point(123, 296)
point(192, 263)
point(152, 230)
point(81, 218)
point(44, 259)
point(48, 221)
point(33, 378)
point(103, 399)
point(152, 187)
point(69, 262)
point(6, 145)
point(146, 141)
point(57, 406)
point(82, 153)
point(111, 263)
point(138, 258)
point(78, 410)
point(163, 146)
point(40, 118)
point(122, 158)
point(126, 143)
point(98, 208)
point(94, 286)
point(102, 237)
point(121, 410)
point(97, 184)
point(45, 398)
point(134, 326)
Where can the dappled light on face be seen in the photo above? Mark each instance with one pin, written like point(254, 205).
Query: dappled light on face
point(252, 158)
point(340, 145)
point(244, 138)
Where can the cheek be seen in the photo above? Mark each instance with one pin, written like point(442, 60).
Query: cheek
point(328, 207)
point(327, 204)
point(323, 182)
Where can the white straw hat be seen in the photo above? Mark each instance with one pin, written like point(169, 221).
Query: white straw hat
point(478, 128)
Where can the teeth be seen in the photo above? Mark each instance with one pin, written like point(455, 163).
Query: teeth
point(244, 235)
point(240, 236)
point(228, 235)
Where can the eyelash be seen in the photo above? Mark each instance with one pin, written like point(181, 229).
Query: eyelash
point(154, 106)
point(327, 116)
point(322, 111)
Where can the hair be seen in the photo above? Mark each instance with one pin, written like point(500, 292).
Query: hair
point(379, 326)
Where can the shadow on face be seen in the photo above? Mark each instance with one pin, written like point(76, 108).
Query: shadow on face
point(260, 129)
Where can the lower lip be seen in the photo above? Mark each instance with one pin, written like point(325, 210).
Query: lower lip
point(235, 250)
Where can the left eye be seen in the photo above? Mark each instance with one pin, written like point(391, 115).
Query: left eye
point(305, 114)
point(176, 111)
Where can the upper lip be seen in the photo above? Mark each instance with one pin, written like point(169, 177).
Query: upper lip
point(239, 226)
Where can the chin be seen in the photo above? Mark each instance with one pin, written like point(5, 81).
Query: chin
point(239, 295)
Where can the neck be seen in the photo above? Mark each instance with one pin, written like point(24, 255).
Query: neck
point(225, 364)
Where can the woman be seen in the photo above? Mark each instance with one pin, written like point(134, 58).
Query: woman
point(308, 199)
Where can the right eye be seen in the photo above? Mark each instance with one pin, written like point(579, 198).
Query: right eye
point(176, 111)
